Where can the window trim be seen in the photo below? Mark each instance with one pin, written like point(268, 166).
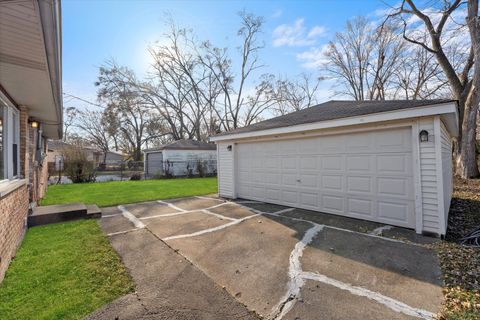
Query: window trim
point(11, 136)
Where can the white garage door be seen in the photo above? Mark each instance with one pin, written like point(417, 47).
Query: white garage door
point(364, 175)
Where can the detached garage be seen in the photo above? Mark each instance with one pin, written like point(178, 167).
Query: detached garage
point(383, 161)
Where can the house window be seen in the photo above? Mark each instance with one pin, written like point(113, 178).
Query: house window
point(9, 142)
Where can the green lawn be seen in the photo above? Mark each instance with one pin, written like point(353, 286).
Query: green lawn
point(62, 271)
point(113, 193)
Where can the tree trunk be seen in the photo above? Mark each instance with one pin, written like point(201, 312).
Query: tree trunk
point(466, 155)
point(466, 159)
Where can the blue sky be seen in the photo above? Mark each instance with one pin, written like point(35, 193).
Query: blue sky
point(294, 32)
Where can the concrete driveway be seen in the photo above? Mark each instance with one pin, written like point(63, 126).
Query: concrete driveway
point(206, 258)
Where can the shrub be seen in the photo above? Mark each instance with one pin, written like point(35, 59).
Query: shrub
point(77, 167)
point(136, 176)
point(200, 169)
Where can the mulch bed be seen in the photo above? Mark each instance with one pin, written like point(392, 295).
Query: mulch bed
point(460, 264)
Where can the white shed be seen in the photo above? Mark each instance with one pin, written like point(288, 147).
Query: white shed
point(384, 161)
point(181, 158)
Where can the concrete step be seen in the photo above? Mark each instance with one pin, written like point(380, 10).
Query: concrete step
point(93, 211)
point(62, 212)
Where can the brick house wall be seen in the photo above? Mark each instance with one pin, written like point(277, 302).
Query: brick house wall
point(15, 203)
point(13, 215)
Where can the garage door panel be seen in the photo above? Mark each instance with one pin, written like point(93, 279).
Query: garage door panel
point(393, 186)
point(308, 180)
point(258, 192)
point(273, 194)
point(333, 203)
point(286, 147)
point(395, 139)
point(332, 163)
point(394, 211)
point(394, 163)
point(361, 184)
point(308, 146)
point(308, 163)
point(272, 163)
point(361, 142)
point(273, 178)
point(332, 144)
point(309, 199)
point(289, 179)
point(290, 197)
point(363, 207)
point(243, 177)
point(332, 182)
point(359, 163)
point(289, 162)
point(361, 175)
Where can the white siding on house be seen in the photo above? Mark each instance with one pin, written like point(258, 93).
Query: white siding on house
point(446, 144)
point(225, 169)
point(428, 179)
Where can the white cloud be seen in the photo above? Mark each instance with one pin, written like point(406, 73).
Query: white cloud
point(316, 31)
point(313, 58)
point(296, 34)
point(277, 14)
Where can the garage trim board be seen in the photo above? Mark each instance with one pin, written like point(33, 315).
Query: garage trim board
point(373, 167)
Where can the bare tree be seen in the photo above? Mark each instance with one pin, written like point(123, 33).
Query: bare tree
point(293, 95)
point(94, 126)
point(419, 76)
point(179, 88)
point(70, 115)
point(128, 116)
point(194, 87)
point(363, 59)
point(236, 107)
point(464, 77)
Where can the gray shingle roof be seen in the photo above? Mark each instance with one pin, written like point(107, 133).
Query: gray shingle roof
point(335, 109)
point(185, 145)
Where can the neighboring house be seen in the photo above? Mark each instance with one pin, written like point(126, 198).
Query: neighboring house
point(384, 161)
point(181, 158)
point(30, 110)
point(56, 150)
point(113, 158)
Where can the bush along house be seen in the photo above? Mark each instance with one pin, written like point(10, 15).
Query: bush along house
point(30, 111)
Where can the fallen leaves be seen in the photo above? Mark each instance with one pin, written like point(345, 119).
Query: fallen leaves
point(460, 264)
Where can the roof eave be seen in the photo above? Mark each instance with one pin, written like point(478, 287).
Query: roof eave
point(50, 17)
point(447, 108)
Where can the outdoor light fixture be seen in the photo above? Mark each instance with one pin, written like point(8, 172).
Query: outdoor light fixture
point(34, 124)
point(229, 147)
point(424, 136)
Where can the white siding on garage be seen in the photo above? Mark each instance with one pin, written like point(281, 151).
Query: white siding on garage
point(180, 162)
point(226, 169)
point(428, 179)
point(447, 172)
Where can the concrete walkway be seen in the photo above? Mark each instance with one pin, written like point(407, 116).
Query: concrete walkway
point(205, 258)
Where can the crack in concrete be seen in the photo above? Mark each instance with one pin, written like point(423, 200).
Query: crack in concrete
point(296, 274)
point(390, 303)
point(379, 231)
point(294, 271)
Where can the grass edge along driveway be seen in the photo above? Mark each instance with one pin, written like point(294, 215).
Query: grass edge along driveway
point(112, 193)
point(62, 271)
